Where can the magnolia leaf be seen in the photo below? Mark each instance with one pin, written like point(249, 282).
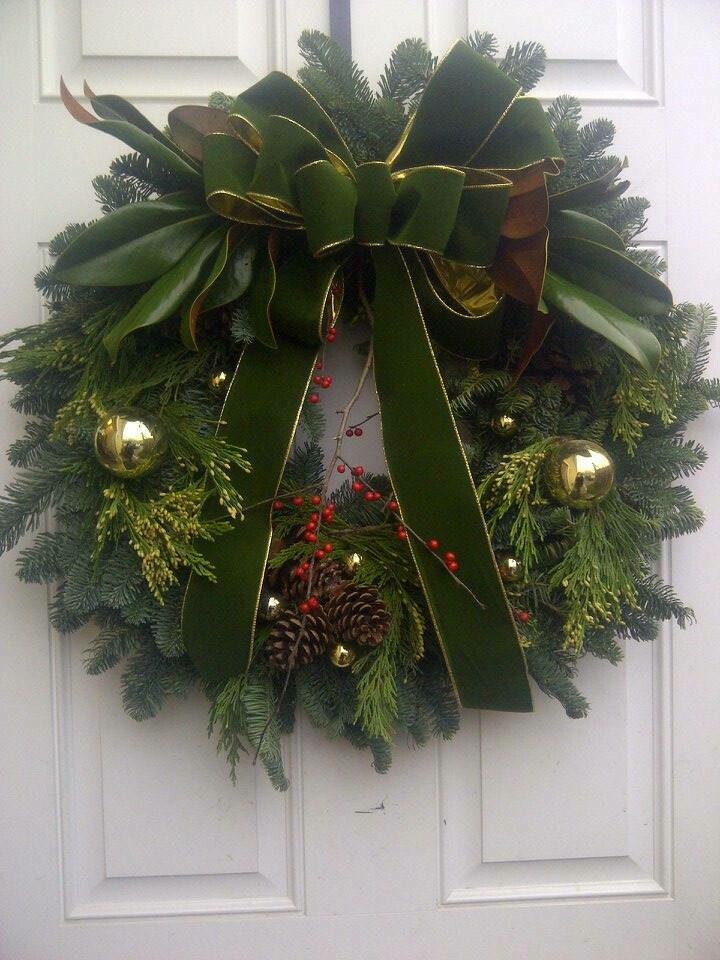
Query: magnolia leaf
point(111, 107)
point(136, 137)
point(593, 191)
point(167, 295)
point(569, 224)
point(228, 279)
point(136, 243)
point(611, 275)
point(600, 316)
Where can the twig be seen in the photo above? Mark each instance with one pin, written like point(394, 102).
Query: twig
point(432, 553)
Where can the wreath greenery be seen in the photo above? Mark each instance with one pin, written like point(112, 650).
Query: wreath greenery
point(346, 633)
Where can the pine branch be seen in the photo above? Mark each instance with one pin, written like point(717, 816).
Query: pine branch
point(525, 63)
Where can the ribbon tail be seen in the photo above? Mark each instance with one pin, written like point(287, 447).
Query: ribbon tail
point(261, 413)
point(437, 498)
point(218, 618)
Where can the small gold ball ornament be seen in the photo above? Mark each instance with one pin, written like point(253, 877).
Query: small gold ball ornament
point(352, 562)
point(130, 442)
point(510, 567)
point(271, 606)
point(342, 654)
point(504, 425)
point(218, 382)
point(579, 473)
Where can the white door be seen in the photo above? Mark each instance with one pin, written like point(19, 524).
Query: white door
point(529, 836)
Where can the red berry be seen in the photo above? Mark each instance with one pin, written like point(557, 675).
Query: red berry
point(433, 544)
point(357, 486)
point(392, 505)
point(523, 616)
point(377, 496)
point(357, 471)
point(318, 365)
point(369, 495)
point(358, 431)
point(317, 379)
point(328, 548)
point(314, 398)
point(341, 468)
point(305, 565)
point(312, 525)
point(316, 500)
point(331, 334)
point(449, 557)
point(313, 601)
point(453, 565)
point(327, 514)
point(314, 517)
point(348, 433)
point(401, 534)
point(278, 505)
point(311, 537)
point(319, 554)
point(326, 382)
point(304, 607)
point(297, 501)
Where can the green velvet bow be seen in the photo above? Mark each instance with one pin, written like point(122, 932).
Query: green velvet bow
point(455, 220)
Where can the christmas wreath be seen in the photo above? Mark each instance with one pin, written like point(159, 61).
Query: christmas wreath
point(487, 248)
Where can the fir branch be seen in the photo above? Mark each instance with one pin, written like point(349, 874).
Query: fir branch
point(407, 72)
point(524, 63)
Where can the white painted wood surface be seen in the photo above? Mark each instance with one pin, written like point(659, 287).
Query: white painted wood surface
point(529, 836)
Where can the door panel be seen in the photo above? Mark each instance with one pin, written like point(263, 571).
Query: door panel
point(526, 836)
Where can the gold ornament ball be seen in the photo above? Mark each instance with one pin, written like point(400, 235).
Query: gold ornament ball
point(342, 654)
point(510, 567)
point(352, 562)
point(218, 382)
point(504, 425)
point(271, 606)
point(130, 442)
point(579, 473)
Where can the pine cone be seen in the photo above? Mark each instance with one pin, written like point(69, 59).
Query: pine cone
point(293, 587)
point(327, 576)
point(356, 614)
point(296, 639)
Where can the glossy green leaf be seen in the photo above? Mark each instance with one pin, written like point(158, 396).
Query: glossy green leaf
point(136, 136)
point(235, 278)
point(167, 295)
point(112, 107)
point(199, 302)
point(137, 243)
point(600, 316)
point(593, 191)
point(569, 224)
point(609, 274)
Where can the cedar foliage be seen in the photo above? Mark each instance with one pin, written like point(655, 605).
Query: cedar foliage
point(591, 580)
